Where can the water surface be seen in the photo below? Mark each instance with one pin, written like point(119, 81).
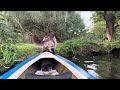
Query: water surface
point(103, 67)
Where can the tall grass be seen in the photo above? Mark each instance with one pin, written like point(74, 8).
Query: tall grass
point(10, 53)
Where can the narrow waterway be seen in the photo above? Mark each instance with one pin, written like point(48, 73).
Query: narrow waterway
point(103, 67)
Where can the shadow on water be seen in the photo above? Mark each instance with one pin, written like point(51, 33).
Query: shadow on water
point(103, 67)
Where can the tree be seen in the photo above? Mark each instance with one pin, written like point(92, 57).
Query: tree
point(7, 31)
point(74, 24)
point(99, 30)
point(62, 24)
point(111, 18)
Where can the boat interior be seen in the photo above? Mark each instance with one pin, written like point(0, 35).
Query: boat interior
point(64, 73)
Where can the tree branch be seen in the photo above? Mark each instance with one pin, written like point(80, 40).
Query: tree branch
point(41, 30)
point(19, 25)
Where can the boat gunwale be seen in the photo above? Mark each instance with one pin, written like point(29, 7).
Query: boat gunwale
point(68, 63)
point(85, 73)
point(16, 68)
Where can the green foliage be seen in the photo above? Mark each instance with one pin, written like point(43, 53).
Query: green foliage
point(16, 27)
point(99, 16)
point(7, 31)
point(99, 30)
point(117, 34)
point(8, 54)
point(99, 34)
point(79, 46)
point(8, 36)
point(67, 26)
point(74, 25)
point(110, 45)
point(26, 50)
point(58, 23)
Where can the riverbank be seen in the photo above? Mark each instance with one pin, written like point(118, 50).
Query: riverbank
point(82, 47)
point(71, 49)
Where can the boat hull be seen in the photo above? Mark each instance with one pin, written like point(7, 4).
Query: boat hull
point(63, 65)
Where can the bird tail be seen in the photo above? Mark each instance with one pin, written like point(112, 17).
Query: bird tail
point(36, 40)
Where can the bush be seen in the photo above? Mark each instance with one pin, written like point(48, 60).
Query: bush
point(71, 48)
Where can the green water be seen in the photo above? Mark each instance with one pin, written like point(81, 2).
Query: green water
point(103, 67)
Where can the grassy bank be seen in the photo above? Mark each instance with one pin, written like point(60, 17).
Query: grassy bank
point(13, 54)
point(25, 50)
point(83, 46)
point(80, 46)
point(70, 49)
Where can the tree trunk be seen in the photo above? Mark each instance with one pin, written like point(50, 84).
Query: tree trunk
point(110, 24)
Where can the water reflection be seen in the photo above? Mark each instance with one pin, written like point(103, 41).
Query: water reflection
point(103, 67)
